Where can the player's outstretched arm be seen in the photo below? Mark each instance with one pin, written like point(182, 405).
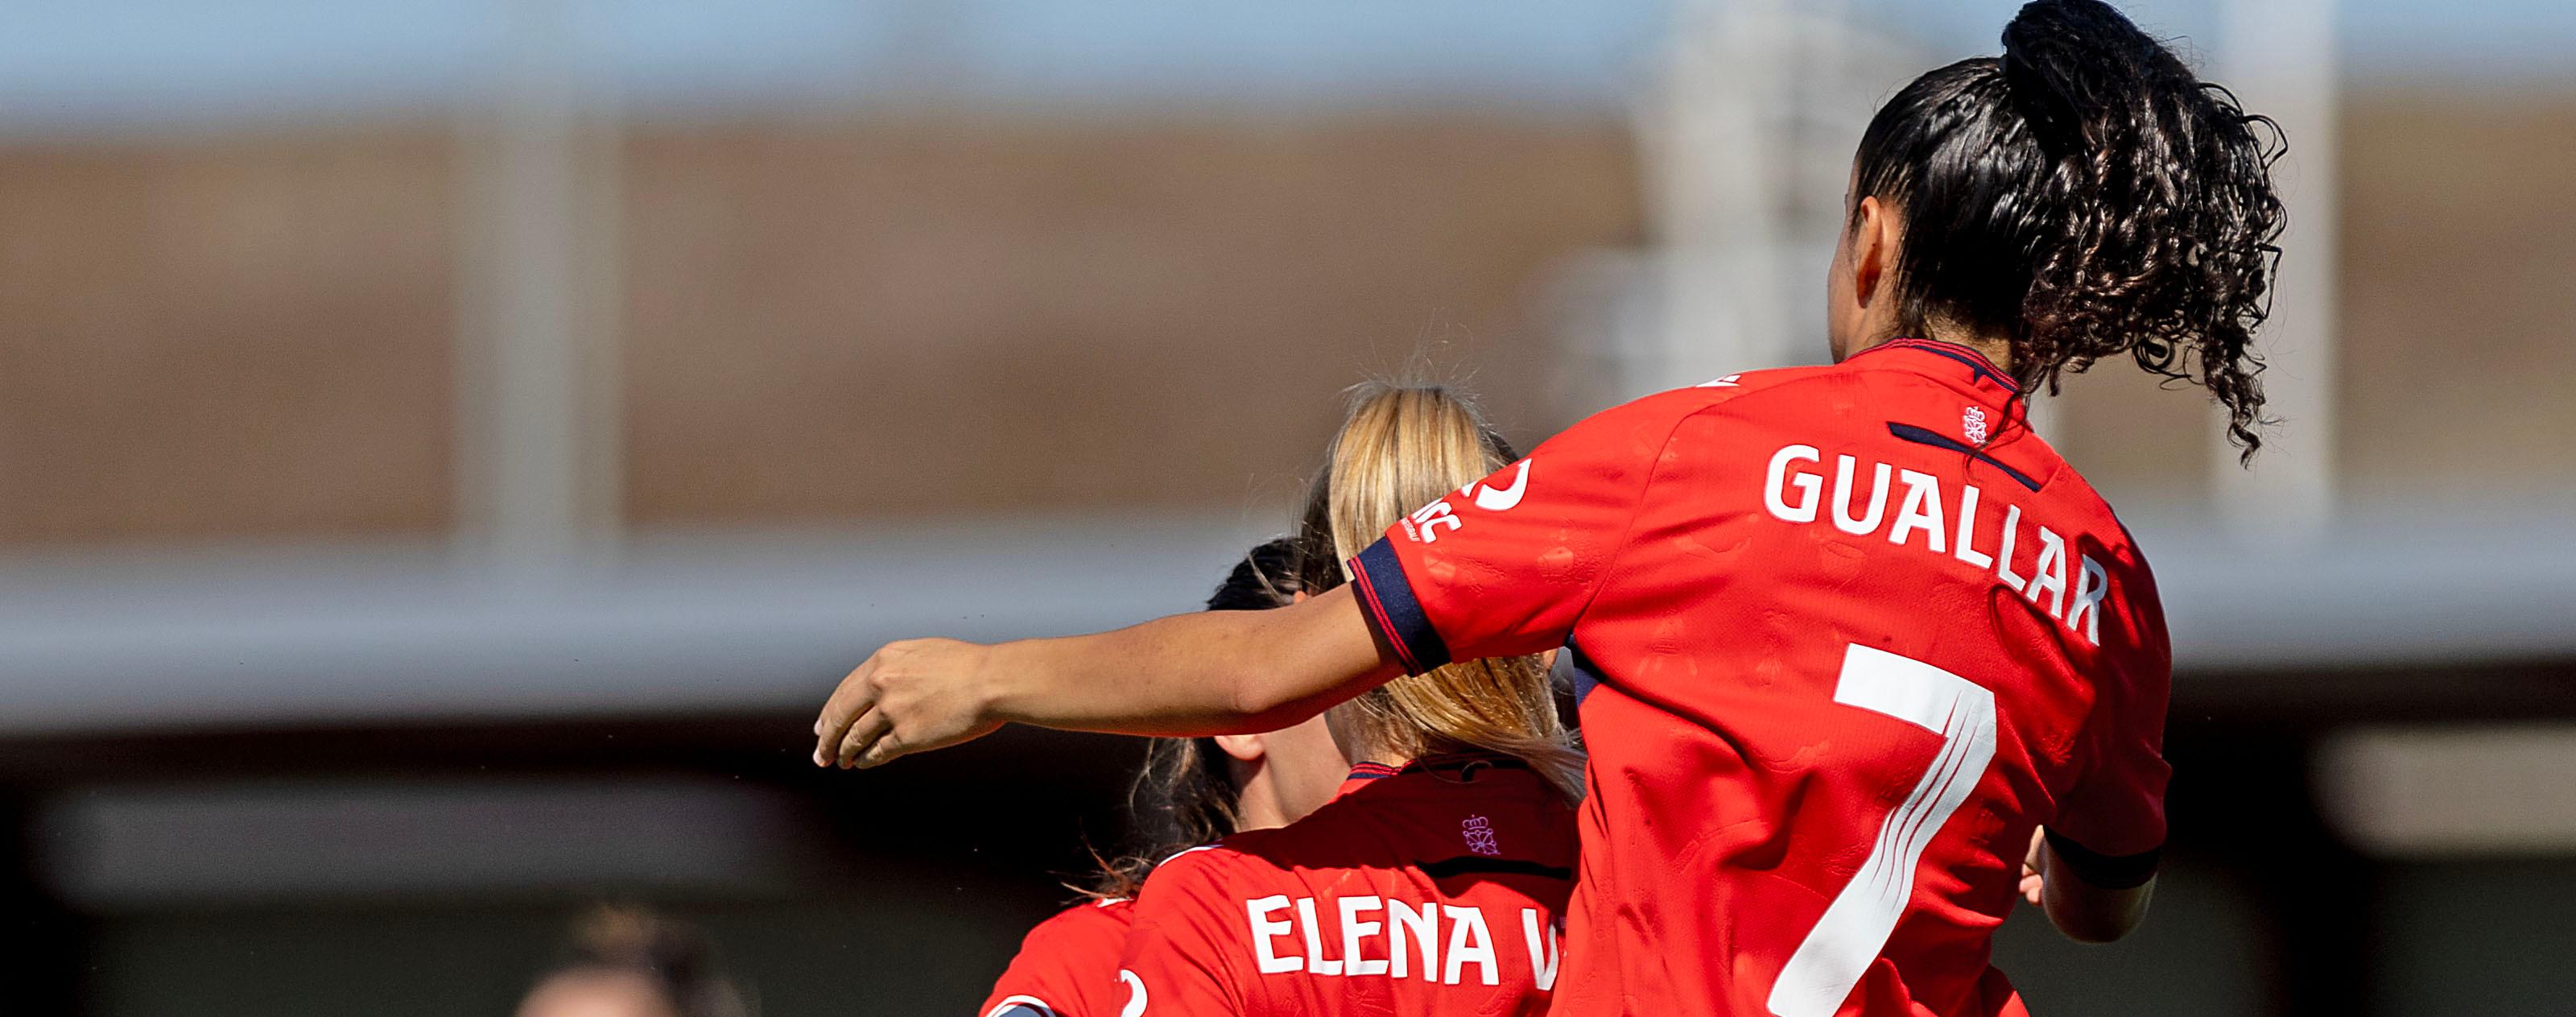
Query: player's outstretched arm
point(1212, 672)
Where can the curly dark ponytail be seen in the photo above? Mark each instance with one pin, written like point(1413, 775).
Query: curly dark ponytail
point(2084, 196)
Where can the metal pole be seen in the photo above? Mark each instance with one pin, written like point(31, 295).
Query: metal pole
point(2279, 58)
point(537, 428)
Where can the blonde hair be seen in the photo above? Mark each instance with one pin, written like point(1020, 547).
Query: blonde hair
point(1403, 447)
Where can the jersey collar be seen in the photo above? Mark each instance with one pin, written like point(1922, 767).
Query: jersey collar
point(1457, 766)
point(1978, 366)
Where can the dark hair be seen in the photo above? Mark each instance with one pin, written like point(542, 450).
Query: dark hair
point(2084, 195)
point(676, 959)
point(1183, 796)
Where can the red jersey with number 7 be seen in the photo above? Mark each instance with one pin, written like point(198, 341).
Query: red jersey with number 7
point(1843, 637)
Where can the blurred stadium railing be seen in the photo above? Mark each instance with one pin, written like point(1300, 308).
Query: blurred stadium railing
point(447, 450)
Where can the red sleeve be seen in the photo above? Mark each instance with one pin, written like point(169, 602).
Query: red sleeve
point(2111, 825)
point(1180, 956)
point(1506, 565)
point(1066, 966)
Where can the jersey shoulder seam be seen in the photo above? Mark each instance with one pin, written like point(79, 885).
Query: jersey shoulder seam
point(1654, 466)
point(1202, 898)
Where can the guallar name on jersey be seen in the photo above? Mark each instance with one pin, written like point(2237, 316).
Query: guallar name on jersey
point(1796, 489)
point(1381, 937)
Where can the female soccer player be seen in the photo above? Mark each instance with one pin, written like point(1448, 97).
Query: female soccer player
point(1432, 883)
point(1848, 637)
point(1190, 792)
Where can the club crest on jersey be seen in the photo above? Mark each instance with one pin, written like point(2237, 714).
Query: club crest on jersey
point(1973, 424)
point(1480, 836)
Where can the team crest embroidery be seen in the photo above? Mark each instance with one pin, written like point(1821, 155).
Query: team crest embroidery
point(1973, 424)
point(1480, 836)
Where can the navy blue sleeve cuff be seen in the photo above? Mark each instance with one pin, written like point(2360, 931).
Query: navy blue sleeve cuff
point(1387, 599)
point(2110, 872)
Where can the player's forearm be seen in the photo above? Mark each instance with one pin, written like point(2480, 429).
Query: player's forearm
point(2092, 914)
point(1170, 676)
point(1215, 672)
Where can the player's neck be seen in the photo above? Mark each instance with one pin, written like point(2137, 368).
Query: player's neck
point(1390, 760)
point(1367, 751)
point(1994, 348)
point(1363, 742)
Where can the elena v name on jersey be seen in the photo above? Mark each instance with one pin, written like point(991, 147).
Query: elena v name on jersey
point(1962, 525)
point(1379, 936)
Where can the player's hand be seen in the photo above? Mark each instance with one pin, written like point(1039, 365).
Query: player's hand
point(2034, 868)
point(912, 696)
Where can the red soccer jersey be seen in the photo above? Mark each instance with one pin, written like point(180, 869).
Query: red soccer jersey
point(1434, 889)
point(1067, 966)
point(1843, 636)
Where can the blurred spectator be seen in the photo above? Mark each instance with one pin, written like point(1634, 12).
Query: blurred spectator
point(628, 962)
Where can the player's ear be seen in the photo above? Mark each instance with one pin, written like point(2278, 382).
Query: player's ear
point(1873, 249)
point(1245, 748)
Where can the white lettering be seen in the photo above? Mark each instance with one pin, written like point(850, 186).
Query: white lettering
point(1429, 517)
point(1842, 497)
point(1795, 492)
point(1500, 499)
point(1542, 959)
point(1426, 931)
point(1921, 511)
point(1135, 994)
point(1805, 512)
point(1354, 930)
point(2003, 555)
point(2091, 585)
point(1469, 941)
point(1263, 929)
point(1967, 550)
point(2050, 572)
point(1316, 962)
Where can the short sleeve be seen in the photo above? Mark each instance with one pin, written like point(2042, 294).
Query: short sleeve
point(1064, 965)
point(1506, 565)
point(1176, 959)
point(2111, 826)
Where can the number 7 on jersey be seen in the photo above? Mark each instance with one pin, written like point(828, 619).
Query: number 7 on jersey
point(1820, 975)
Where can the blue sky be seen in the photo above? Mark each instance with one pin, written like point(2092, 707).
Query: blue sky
point(81, 63)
